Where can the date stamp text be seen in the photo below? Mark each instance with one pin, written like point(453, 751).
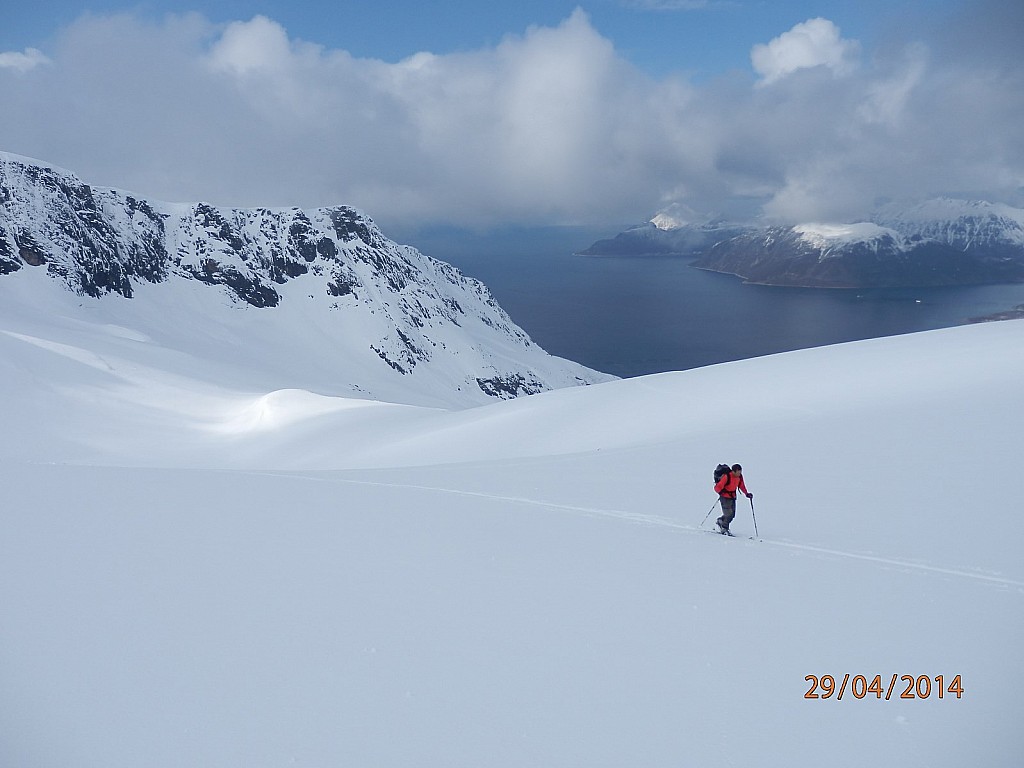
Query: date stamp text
point(895, 687)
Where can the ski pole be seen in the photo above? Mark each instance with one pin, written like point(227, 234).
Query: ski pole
point(751, 500)
point(708, 514)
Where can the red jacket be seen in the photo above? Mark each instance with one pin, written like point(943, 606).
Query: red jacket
point(728, 483)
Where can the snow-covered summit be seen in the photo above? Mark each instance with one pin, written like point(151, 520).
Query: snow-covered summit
point(964, 224)
point(384, 319)
point(677, 216)
point(938, 242)
point(831, 235)
point(665, 222)
point(11, 157)
point(948, 208)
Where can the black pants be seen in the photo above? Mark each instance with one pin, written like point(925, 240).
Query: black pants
point(728, 511)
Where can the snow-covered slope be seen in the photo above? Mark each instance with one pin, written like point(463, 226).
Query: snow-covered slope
point(969, 225)
point(829, 237)
point(324, 289)
point(204, 566)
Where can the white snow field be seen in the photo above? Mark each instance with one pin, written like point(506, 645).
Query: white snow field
point(208, 559)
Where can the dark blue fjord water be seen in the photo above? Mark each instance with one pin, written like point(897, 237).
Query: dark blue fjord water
point(634, 316)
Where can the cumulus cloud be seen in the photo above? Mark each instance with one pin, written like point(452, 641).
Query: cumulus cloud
point(257, 46)
point(550, 126)
point(22, 62)
point(814, 43)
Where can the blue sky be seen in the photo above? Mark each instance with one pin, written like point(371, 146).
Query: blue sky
point(529, 113)
point(659, 36)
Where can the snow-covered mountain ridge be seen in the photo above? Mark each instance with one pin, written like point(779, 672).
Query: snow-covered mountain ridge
point(901, 251)
point(963, 224)
point(937, 242)
point(829, 236)
point(382, 312)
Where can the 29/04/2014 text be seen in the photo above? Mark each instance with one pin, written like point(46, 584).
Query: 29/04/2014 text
point(860, 687)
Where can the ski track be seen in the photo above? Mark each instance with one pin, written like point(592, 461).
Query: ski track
point(637, 518)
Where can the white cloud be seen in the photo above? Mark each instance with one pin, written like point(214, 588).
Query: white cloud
point(549, 126)
point(814, 43)
point(22, 62)
point(886, 99)
point(256, 46)
point(546, 127)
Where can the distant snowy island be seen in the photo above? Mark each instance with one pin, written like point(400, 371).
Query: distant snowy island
point(941, 242)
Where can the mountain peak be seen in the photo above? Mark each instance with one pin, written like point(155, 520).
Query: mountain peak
point(833, 235)
point(948, 209)
point(379, 311)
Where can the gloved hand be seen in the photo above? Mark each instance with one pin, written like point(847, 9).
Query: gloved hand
point(750, 495)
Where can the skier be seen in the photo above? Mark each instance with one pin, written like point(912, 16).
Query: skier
point(726, 488)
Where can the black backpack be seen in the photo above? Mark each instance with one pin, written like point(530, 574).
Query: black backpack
point(721, 469)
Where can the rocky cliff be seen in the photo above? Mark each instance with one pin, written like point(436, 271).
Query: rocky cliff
point(365, 295)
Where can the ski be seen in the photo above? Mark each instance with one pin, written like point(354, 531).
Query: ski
point(719, 533)
point(732, 535)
